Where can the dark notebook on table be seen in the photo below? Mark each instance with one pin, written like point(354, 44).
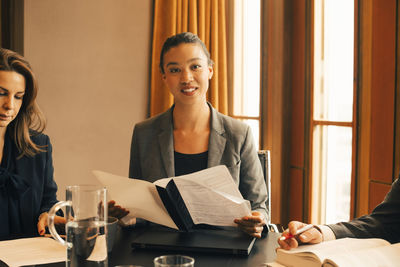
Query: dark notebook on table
point(226, 241)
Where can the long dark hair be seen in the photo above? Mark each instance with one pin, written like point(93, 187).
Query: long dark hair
point(30, 120)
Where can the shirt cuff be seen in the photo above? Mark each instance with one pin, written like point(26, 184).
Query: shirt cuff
point(327, 233)
point(128, 220)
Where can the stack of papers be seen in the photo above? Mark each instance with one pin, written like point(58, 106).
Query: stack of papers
point(31, 251)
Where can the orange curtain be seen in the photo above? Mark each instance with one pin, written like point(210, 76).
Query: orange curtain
point(206, 18)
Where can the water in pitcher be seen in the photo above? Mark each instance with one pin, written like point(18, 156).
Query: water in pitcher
point(88, 244)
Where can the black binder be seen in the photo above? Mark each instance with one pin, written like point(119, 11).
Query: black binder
point(227, 241)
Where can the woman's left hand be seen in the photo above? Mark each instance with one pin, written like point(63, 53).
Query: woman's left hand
point(116, 210)
point(252, 225)
point(42, 222)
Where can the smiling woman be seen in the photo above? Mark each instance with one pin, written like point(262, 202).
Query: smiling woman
point(192, 135)
point(27, 188)
point(187, 73)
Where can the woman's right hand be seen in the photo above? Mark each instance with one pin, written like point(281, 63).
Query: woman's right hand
point(116, 210)
point(42, 222)
point(312, 236)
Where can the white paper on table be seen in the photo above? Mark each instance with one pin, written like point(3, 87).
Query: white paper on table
point(32, 251)
point(139, 197)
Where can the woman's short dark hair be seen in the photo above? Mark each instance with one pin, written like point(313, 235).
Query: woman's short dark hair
point(30, 119)
point(186, 38)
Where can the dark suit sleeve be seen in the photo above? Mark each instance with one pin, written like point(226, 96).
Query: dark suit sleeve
point(383, 222)
point(134, 163)
point(50, 187)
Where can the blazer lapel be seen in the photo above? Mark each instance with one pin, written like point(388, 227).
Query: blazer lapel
point(166, 143)
point(216, 145)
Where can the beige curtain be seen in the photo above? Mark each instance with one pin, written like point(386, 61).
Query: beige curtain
point(206, 18)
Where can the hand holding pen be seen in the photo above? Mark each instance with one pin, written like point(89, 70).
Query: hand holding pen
point(287, 235)
point(299, 232)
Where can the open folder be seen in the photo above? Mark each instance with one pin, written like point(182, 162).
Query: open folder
point(208, 197)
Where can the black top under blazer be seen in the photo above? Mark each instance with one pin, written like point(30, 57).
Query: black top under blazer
point(230, 144)
point(383, 222)
point(27, 188)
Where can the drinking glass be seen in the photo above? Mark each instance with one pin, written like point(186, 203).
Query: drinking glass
point(174, 261)
point(112, 225)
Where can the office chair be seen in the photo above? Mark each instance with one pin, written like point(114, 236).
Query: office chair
point(265, 159)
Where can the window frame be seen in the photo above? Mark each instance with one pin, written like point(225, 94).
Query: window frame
point(236, 8)
point(314, 215)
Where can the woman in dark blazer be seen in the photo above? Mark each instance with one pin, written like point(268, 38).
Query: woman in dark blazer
point(192, 135)
point(27, 188)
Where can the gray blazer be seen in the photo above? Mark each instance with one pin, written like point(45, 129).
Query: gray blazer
point(230, 144)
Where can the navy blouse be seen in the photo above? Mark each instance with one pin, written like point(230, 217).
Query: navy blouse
point(27, 188)
point(188, 163)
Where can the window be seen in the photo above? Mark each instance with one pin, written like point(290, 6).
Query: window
point(332, 118)
point(246, 56)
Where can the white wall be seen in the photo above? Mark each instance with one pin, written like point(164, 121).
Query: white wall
point(92, 61)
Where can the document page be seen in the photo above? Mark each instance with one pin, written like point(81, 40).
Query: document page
point(217, 178)
point(211, 196)
point(339, 252)
point(139, 197)
point(342, 246)
point(386, 255)
point(32, 251)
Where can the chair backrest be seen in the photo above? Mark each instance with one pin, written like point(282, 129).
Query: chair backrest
point(265, 159)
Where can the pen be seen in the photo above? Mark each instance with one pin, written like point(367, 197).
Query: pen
point(299, 231)
point(49, 235)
